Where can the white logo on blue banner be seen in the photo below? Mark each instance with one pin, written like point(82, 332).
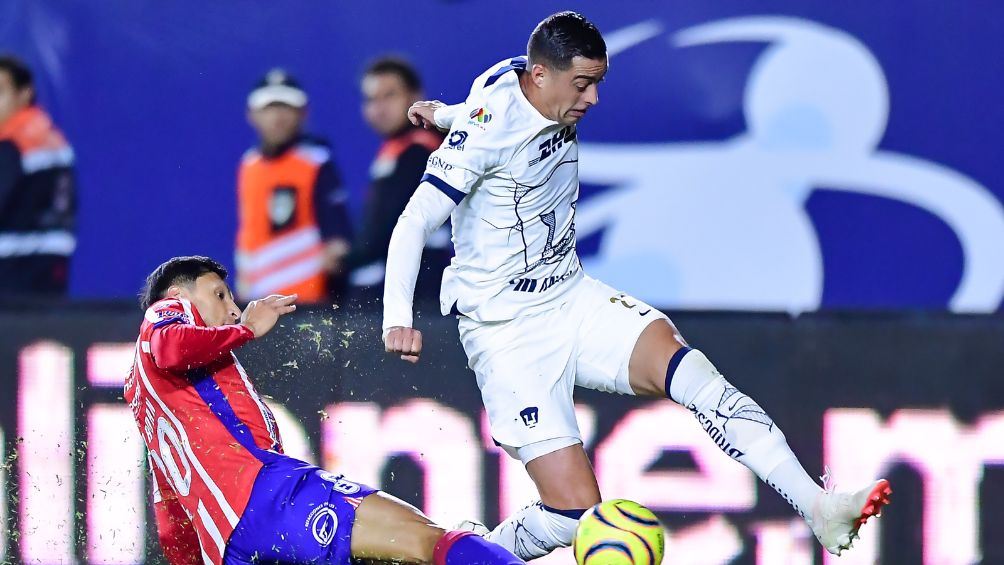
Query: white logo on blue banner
point(723, 224)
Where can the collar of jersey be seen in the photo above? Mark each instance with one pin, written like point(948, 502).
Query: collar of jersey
point(525, 102)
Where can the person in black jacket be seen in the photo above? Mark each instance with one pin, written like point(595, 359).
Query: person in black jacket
point(37, 196)
point(389, 86)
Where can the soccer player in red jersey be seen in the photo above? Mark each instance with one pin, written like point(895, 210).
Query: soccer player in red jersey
point(224, 491)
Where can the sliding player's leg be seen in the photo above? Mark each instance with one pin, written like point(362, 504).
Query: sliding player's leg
point(387, 529)
point(299, 513)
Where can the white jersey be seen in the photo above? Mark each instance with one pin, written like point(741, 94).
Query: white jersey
point(514, 174)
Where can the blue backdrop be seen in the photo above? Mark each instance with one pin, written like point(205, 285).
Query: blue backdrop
point(880, 121)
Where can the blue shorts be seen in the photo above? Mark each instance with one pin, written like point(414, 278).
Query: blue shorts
point(297, 513)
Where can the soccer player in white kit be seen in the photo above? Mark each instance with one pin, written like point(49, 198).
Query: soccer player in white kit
point(534, 325)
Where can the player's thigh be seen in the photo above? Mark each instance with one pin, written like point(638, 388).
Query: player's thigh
point(565, 478)
point(613, 325)
point(525, 370)
point(297, 512)
point(389, 529)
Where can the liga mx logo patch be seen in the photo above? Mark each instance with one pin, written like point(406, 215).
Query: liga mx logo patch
point(481, 116)
point(529, 415)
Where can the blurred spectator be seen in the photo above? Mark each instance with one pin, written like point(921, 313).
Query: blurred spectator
point(389, 86)
point(37, 199)
point(293, 232)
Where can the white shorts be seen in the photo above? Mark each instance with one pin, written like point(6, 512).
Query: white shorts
point(528, 367)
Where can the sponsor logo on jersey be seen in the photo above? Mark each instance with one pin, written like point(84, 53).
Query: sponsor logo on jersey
point(165, 315)
point(543, 284)
point(457, 139)
point(436, 162)
point(481, 116)
point(552, 144)
point(339, 483)
point(323, 523)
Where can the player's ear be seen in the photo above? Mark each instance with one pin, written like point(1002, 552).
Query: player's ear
point(538, 73)
point(175, 291)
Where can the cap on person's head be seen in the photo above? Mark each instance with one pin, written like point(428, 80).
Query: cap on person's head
point(277, 87)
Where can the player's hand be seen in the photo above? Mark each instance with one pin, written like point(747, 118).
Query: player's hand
point(423, 113)
point(333, 256)
point(261, 315)
point(406, 342)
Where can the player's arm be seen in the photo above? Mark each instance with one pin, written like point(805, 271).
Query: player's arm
point(178, 539)
point(428, 208)
point(451, 173)
point(178, 344)
point(185, 346)
point(433, 114)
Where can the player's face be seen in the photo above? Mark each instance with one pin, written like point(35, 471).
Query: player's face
point(572, 92)
point(11, 99)
point(385, 102)
point(276, 124)
point(212, 297)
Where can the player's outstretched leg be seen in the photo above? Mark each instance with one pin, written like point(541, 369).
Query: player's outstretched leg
point(567, 487)
point(661, 364)
point(388, 529)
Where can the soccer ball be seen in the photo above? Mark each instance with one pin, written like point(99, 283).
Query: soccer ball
point(619, 532)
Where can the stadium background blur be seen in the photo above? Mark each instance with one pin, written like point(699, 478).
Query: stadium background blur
point(838, 161)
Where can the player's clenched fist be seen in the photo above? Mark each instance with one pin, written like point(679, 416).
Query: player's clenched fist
point(423, 113)
point(261, 315)
point(406, 342)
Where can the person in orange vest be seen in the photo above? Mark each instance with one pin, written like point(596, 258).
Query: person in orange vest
point(37, 194)
point(293, 223)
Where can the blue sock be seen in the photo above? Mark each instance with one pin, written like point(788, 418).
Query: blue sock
point(468, 548)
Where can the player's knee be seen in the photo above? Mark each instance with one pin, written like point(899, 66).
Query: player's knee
point(651, 357)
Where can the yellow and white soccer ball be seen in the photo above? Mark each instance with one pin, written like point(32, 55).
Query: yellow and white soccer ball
point(619, 532)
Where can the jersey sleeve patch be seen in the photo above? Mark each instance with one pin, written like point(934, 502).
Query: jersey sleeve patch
point(166, 313)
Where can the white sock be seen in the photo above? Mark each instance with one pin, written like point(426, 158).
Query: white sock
point(536, 530)
point(799, 489)
point(740, 427)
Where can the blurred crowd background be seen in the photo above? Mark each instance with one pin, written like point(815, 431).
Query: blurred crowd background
point(834, 157)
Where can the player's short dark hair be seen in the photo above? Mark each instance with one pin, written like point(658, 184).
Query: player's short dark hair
point(179, 270)
point(396, 66)
point(563, 36)
point(20, 73)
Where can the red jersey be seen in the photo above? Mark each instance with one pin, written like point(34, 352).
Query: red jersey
point(206, 429)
